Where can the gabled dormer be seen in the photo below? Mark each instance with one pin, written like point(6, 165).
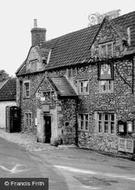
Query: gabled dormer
point(37, 59)
point(111, 40)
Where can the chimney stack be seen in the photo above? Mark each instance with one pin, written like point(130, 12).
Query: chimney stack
point(38, 35)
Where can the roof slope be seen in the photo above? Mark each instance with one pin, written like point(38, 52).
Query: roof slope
point(8, 90)
point(62, 86)
point(74, 48)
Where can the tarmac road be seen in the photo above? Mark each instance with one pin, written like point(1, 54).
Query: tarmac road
point(16, 162)
point(67, 168)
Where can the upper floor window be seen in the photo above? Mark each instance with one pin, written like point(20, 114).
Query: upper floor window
point(83, 87)
point(49, 95)
point(106, 86)
point(106, 123)
point(27, 89)
point(83, 122)
point(105, 71)
point(106, 50)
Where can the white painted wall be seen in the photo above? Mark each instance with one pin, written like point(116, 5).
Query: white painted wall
point(3, 112)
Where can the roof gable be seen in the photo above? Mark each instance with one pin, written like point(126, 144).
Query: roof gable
point(63, 87)
point(58, 84)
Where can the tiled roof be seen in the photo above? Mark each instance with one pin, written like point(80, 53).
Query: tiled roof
point(62, 86)
point(74, 48)
point(8, 90)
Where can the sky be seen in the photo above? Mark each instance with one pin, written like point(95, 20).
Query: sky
point(57, 16)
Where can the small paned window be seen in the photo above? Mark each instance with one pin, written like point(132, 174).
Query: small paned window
point(84, 122)
point(83, 87)
point(106, 50)
point(27, 89)
point(106, 123)
point(106, 86)
point(28, 119)
point(49, 95)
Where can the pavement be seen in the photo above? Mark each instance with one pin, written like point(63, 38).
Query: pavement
point(29, 141)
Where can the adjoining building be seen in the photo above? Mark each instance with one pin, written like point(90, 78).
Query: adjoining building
point(80, 87)
point(7, 98)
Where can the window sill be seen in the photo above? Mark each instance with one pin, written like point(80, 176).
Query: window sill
point(79, 94)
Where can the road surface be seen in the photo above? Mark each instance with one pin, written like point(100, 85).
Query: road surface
point(16, 162)
point(68, 168)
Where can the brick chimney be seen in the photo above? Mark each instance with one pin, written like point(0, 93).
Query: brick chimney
point(38, 35)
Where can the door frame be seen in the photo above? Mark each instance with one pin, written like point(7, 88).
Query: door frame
point(47, 115)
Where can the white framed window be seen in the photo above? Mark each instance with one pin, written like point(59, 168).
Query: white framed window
point(49, 95)
point(28, 119)
point(26, 87)
point(106, 86)
point(106, 49)
point(83, 122)
point(106, 123)
point(83, 87)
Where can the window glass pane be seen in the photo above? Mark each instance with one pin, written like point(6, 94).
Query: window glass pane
point(81, 121)
point(100, 116)
point(106, 116)
point(103, 50)
point(27, 86)
point(100, 126)
point(81, 124)
point(86, 117)
point(109, 50)
point(112, 117)
point(85, 86)
point(105, 72)
point(81, 86)
point(112, 127)
point(110, 85)
point(86, 125)
point(106, 127)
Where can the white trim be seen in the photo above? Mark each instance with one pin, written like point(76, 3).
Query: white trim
point(24, 90)
point(103, 120)
point(49, 55)
point(106, 49)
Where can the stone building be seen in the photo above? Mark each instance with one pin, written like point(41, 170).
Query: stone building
point(79, 88)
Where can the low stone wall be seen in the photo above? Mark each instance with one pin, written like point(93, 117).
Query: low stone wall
point(105, 143)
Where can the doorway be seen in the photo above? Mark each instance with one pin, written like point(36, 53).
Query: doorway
point(47, 128)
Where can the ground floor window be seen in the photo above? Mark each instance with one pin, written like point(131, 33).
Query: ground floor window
point(83, 122)
point(28, 119)
point(106, 122)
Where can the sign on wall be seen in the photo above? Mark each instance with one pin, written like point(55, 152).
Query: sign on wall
point(126, 145)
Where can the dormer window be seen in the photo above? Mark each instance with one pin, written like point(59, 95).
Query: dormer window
point(106, 50)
